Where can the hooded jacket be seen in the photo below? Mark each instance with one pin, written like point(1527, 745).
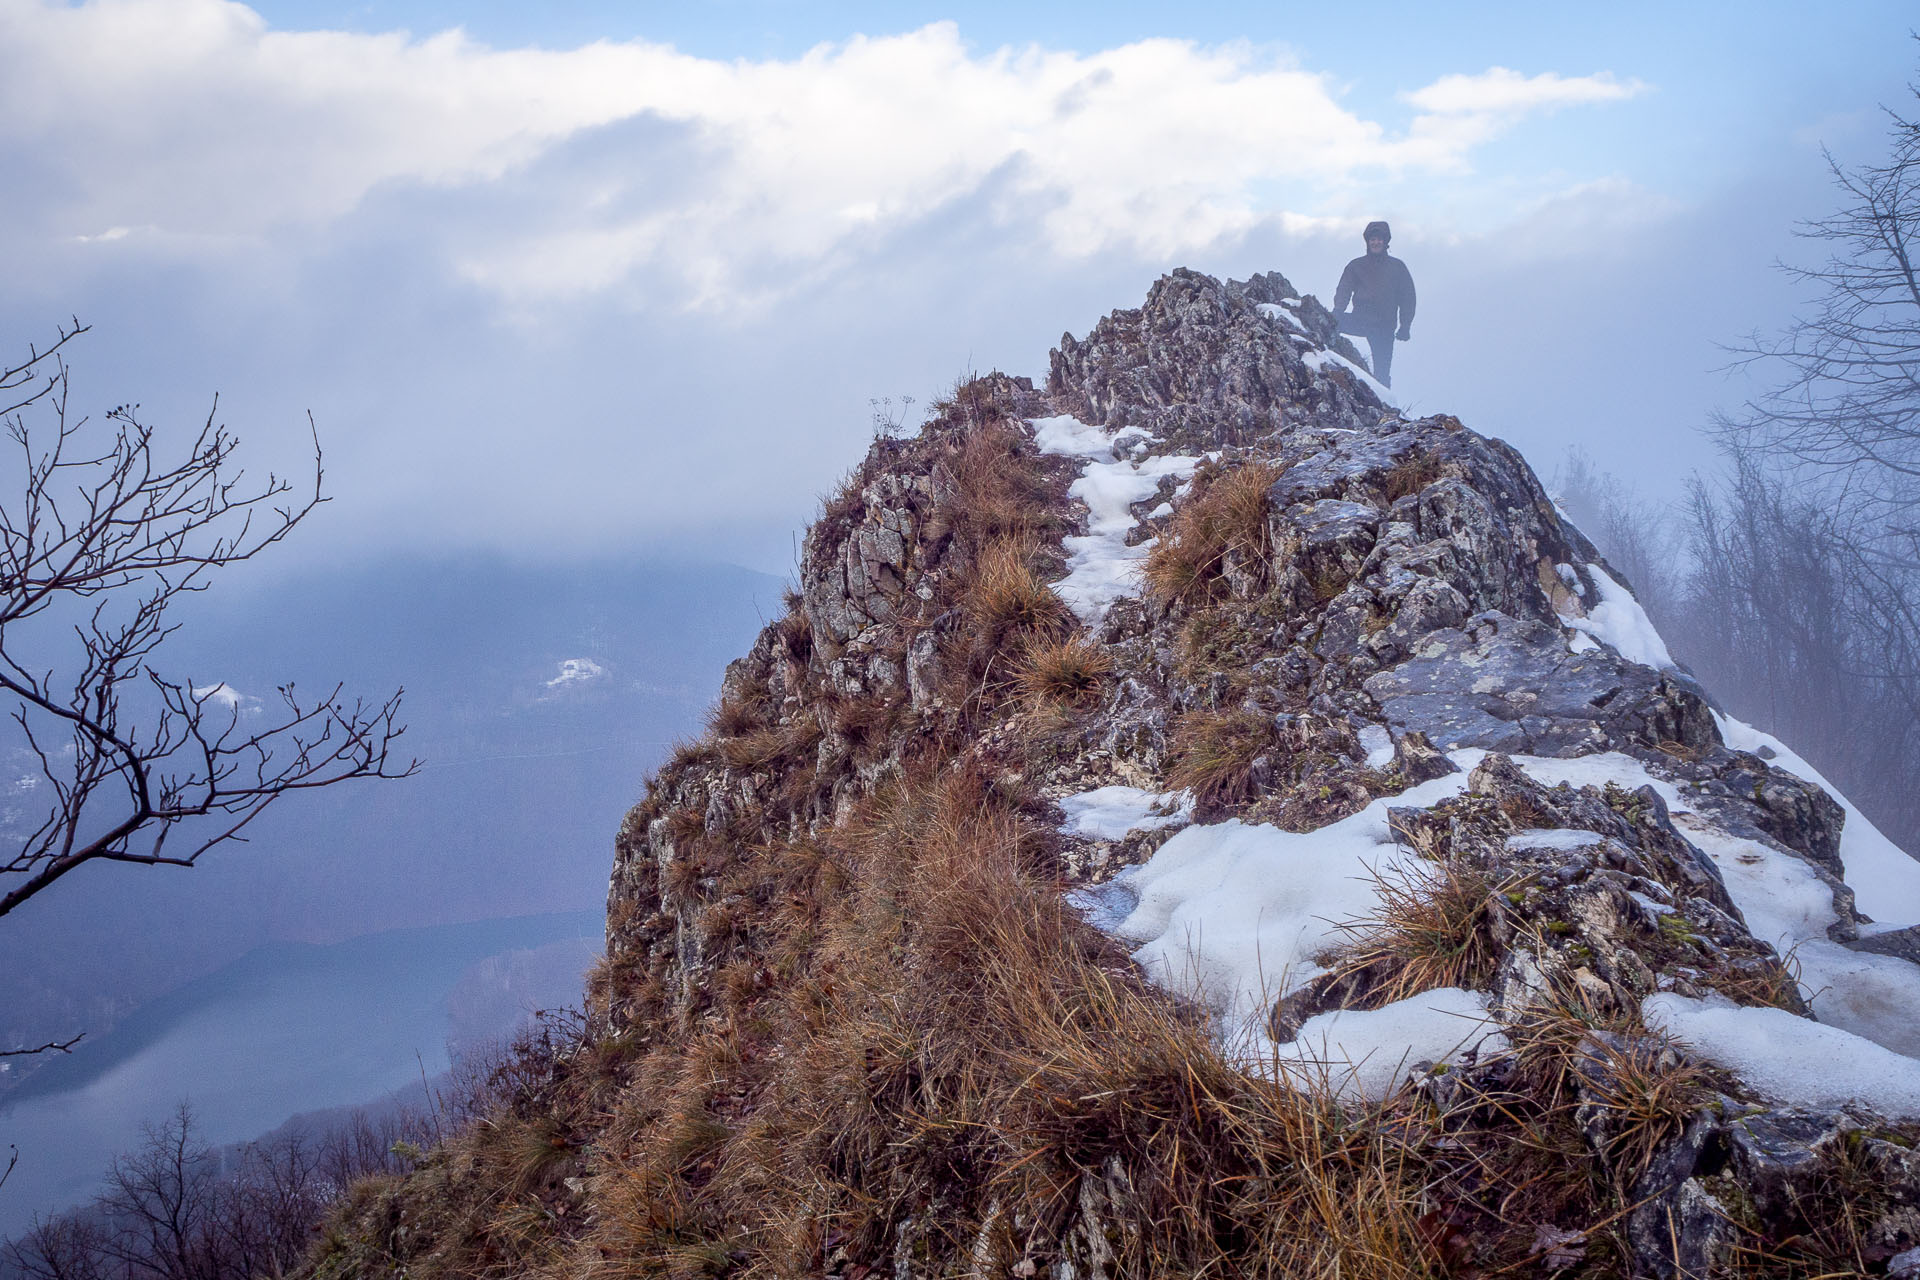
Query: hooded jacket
point(1381, 289)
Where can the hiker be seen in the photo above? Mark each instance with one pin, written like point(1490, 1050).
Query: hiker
point(1381, 290)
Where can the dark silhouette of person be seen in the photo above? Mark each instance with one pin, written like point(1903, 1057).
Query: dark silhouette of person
point(1381, 289)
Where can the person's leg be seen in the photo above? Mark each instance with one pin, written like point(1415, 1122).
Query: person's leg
point(1381, 344)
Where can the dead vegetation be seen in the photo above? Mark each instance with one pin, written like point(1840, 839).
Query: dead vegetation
point(1434, 928)
point(1065, 671)
point(1213, 754)
point(1222, 523)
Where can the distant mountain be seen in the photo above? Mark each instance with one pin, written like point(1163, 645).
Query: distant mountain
point(537, 697)
point(286, 1028)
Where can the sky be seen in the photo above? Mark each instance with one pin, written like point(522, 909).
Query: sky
point(573, 280)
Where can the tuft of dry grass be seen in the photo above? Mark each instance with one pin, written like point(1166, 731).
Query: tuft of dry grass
point(773, 744)
point(1224, 517)
point(1434, 928)
point(1005, 598)
point(1000, 490)
point(1410, 475)
point(736, 716)
point(1064, 670)
point(1212, 754)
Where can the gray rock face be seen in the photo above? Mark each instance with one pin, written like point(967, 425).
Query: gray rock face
point(1514, 685)
point(1199, 362)
point(1904, 943)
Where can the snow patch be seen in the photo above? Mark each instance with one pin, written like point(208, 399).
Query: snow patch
point(1101, 567)
point(1619, 621)
point(1108, 813)
point(1378, 745)
point(1322, 360)
point(1886, 882)
point(1274, 311)
point(1788, 1058)
point(1367, 1052)
point(1236, 913)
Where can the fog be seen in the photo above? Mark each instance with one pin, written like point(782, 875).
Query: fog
point(582, 327)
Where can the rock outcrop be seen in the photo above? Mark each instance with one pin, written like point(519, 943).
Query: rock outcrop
point(1201, 604)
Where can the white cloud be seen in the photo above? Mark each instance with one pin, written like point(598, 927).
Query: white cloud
point(193, 121)
point(1499, 90)
point(226, 697)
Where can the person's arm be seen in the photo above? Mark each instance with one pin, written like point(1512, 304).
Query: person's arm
point(1343, 291)
point(1406, 303)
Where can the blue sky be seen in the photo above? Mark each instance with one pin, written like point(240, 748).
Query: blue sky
point(555, 296)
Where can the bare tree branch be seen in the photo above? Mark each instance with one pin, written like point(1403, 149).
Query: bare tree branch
point(51, 1046)
point(106, 534)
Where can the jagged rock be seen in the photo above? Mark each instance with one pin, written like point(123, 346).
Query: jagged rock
point(1513, 685)
point(1904, 943)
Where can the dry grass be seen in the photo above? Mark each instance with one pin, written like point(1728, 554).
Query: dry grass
point(1006, 600)
point(1212, 754)
point(1001, 490)
point(1434, 928)
point(1224, 517)
point(1410, 475)
point(774, 744)
point(1032, 1066)
point(1066, 671)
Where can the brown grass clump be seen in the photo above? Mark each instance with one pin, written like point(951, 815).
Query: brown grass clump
point(774, 744)
point(1435, 928)
point(736, 716)
point(1212, 754)
point(1224, 517)
point(1005, 598)
point(1001, 490)
point(1410, 475)
point(1066, 671)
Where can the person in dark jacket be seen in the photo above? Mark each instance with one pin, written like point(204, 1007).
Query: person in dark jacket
point(1381, 290)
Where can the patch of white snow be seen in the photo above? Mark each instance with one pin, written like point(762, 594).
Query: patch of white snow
point(1274, 311)
point(1320, 360)
point(1367, 1052)
point(1886, 882)
point(1378, 745)
point(1791, 1059)
point(1101, 567)
point(1108, 813)
point(1619, 621)
point(1236, 913)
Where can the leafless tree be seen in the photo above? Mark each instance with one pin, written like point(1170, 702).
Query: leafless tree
point(1844, 379)
point(102, 531)
point(178, 1209)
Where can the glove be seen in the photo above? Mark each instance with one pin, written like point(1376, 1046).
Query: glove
point(1404, 334)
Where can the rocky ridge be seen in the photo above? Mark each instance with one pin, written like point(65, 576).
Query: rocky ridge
point(1206, 602)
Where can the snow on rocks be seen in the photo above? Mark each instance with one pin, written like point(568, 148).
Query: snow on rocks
point(1274, 311)
point(1237, 913)
point(1368, 1052)
point(1619, 621)
point(1109, 813)
point(1791, 1059)
point(1864, 997)
point(1321, 360)
point(1885, 880)
point(1101, 567)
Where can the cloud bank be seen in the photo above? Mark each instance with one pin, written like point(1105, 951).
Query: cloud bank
point(190, 127)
